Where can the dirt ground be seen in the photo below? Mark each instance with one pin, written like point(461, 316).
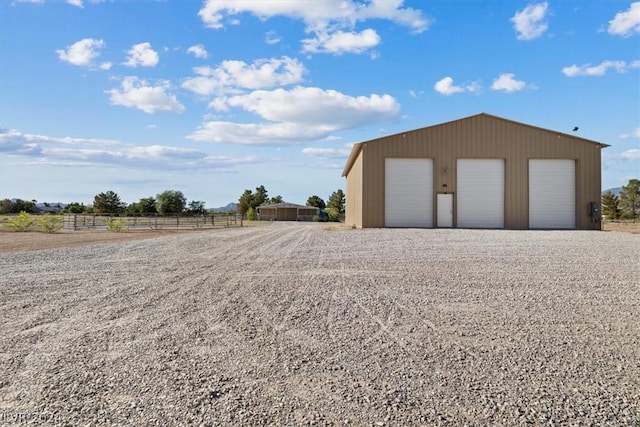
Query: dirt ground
point(15, 241)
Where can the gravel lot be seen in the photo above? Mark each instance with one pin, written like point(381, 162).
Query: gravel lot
point(292, 324)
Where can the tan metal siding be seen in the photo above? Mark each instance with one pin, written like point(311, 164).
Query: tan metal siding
point(481, 136)
point(353, 203)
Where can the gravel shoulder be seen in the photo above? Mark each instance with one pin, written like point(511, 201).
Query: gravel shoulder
point(295, 324)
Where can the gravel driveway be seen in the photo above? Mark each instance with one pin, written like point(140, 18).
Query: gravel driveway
point(292, 324)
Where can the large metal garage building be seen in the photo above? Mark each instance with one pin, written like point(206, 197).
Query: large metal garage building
point(481, 171)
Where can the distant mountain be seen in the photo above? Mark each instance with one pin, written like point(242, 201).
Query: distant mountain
point(615, 191)
point(231, 207)
point(49, 207)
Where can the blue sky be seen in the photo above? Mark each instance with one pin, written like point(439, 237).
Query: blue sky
point(214, 97)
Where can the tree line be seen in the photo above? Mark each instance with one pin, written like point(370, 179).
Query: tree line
point(624, 206)
point(170, 202)
point(166, 203)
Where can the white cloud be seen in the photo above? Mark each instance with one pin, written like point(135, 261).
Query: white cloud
point(142, 54)
point(198, 51)
point(136, 93)
point(600, 69)
point(634, 134)
point(632, 154)
point(297, 115)
point(233, 75)
point(622, 159)
point(507, 83)
point(81, 53)
point(327, 19)
point(529, 23)
point(67, 151)
point(318, 13)
point(445, 86)
point(77, 3)
point(626, 23)
point(327, 153)
point(272, 38)
point(341, 42)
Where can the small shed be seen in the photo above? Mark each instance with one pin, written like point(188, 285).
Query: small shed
point(287, 212)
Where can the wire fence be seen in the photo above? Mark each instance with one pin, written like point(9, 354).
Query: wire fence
point(153, 222)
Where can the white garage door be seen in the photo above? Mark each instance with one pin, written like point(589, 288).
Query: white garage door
point(552, 194)
point(480, 193)
point(408, 193)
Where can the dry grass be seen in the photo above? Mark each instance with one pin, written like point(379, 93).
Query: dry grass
point(625, 227)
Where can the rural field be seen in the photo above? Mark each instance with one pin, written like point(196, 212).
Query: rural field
point(300, 324)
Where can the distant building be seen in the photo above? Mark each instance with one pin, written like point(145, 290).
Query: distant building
point(481, 171)
point(286, 212)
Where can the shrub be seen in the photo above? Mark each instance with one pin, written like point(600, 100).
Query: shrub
point(50, 223)
point(333, 214)
point(116, 225)
point(251, 215)
point(22, 222)
point(316, 218)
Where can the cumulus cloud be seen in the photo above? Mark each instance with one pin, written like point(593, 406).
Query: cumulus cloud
point(341, 42)
point(626, 23)
point(327, 19)
point(68, 151)
point(137, 93)
point(82, 53)
point(198, 51)
point(296, 115)
point(445, 86)
point(600, 69)
point(530, 23)
point(507, 83)
point(77, 3)
point(230, 76)
point(142, 55)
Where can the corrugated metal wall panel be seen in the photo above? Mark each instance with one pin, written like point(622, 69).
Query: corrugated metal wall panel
point(353, 202)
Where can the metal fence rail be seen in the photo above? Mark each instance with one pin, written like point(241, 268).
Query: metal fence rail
point(153, 222)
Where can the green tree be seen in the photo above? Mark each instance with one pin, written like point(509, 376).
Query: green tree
point(170, 202)
point(244, 202)
point(260, 197)
point(108, 202)
point(630, 199)
point(196, 207)
point(275, 200)
point(5, 206)
point(145, 206)
point(610, 207)
point(75, 207)
point(336, 201)
point(316, 202)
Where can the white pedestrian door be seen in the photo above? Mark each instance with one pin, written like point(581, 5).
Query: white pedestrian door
point(445, 210)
